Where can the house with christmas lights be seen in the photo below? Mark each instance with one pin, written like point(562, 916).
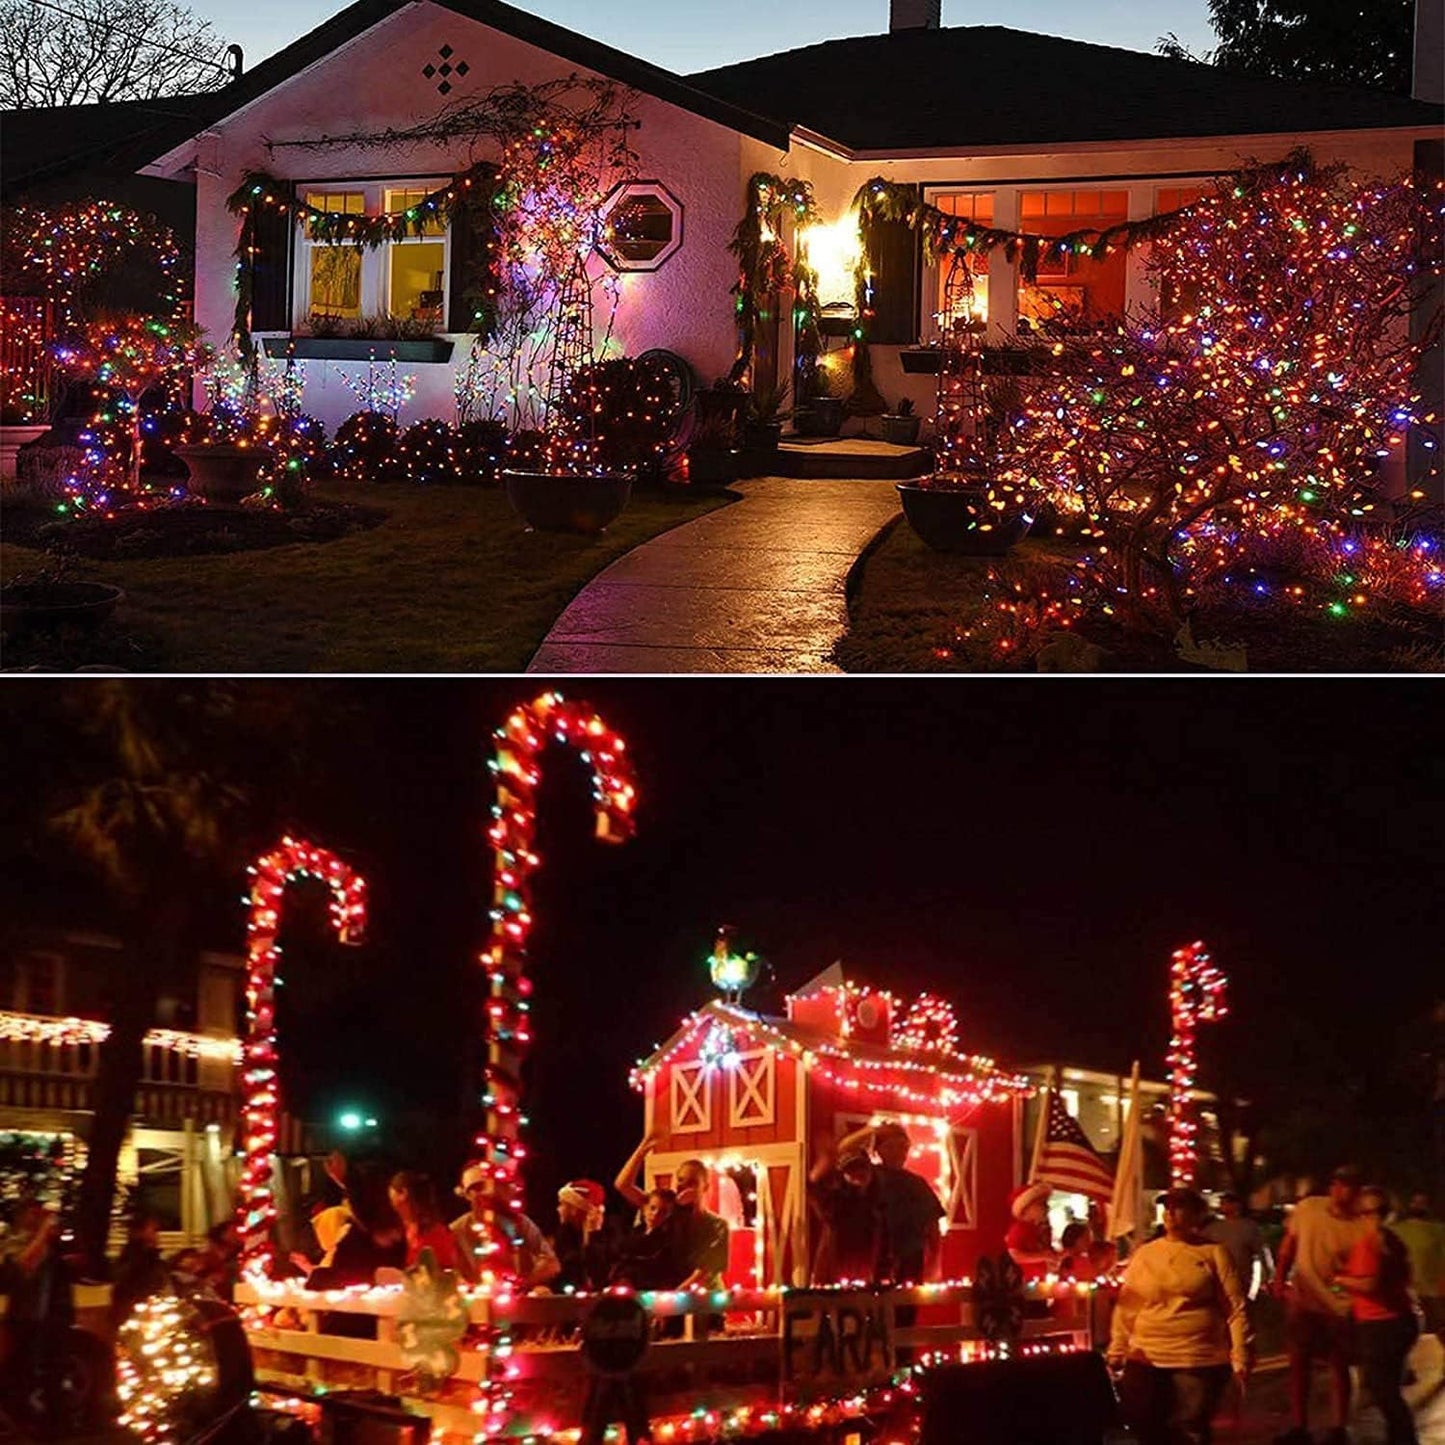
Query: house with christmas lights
point(1026, 139)
point(177, 1158)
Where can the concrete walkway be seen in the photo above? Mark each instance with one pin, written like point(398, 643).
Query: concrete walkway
point(756, 586)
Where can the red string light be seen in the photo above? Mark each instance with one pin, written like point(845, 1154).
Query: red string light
point(1196, 995)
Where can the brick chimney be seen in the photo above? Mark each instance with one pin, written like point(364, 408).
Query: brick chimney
point(1429, 49)
point(915, 14)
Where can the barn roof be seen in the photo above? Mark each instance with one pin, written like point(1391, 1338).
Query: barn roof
point(849, 1058)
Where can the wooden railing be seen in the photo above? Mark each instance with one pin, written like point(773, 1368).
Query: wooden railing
point(725, 1352)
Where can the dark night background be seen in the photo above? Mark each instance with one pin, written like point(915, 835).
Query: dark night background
point(1032, 852)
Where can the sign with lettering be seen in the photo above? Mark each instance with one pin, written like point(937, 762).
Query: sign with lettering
point(832, 1339)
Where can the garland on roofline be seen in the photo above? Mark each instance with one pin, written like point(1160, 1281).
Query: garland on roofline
point(945, 235)
point(473, 188)
point(766, 266)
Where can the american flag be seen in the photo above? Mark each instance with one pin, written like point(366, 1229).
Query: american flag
point(1067, 1160)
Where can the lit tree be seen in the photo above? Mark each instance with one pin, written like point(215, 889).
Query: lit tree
point(1267, 390)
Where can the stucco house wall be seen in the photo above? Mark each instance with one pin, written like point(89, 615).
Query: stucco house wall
point(375, 83)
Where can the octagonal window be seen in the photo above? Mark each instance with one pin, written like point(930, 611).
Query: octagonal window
point(641, 226)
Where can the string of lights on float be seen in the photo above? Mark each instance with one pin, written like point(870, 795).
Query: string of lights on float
point(1196, 996)
point(292, 861)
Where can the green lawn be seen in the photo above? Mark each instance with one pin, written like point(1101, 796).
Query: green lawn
point(450, 581)
point(907, 604)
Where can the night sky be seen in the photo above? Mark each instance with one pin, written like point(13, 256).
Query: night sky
point(1032, 851)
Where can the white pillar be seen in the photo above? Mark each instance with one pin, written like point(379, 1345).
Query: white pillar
point(1137, 291)
point(1003, 284)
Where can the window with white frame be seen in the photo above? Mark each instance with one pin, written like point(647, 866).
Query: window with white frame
point(405, 279)
point(951, 300)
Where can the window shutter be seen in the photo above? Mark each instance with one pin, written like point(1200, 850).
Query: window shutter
point(470, 305)
point(274, 238)
point(893, 259)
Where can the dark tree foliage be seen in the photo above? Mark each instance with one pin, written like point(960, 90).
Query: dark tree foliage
point(1366, 43)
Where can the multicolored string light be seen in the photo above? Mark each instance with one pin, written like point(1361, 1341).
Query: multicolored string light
point(292, 860)
point(516, 764)
point(1196, 996)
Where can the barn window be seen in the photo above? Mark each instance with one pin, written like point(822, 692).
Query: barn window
point(752, 1090)
point(691, 1098)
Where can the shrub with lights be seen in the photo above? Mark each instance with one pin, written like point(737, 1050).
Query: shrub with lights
point(366, 449)
point(1267, 393)
point(429, 453)
point(634, 412)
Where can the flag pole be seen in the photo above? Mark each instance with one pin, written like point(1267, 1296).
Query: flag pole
point(1126, 1208)
point(1042, 1128)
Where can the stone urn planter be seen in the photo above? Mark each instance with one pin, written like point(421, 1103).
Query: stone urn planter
point(549, 502)
point(959, 519)
point(12, 438)
point(223, 472)
point(821, 417)
point(32, 606)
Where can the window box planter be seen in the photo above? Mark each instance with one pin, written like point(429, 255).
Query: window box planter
point(959, 519)
point(547, 502)
point(358, 348)
point(222, 472)
point(920, 360)
point(36, 605)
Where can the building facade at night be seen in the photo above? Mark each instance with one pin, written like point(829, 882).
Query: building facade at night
point(1008, 129)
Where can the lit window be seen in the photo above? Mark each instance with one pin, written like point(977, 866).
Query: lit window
point(953, 299)
point(405, 279)
point(1071, 1102)
point(1073, 290)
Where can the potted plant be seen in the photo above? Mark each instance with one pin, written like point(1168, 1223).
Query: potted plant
point(221, 450)
point(821, 414)
point(900, 427)
point(763, 423)
point(965, 512)
point(52, 598)
point(712, 456)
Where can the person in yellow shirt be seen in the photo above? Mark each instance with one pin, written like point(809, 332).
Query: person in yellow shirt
point(1179, 1330)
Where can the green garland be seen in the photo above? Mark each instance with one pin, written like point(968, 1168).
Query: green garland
point(766, 266)
point(469, 189)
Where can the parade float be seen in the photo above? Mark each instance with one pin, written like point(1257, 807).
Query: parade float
point(747, 1093)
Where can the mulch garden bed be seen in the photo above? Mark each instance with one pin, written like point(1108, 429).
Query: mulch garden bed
point(186, 529)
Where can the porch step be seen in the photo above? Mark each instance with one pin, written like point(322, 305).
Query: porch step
point(851, 457)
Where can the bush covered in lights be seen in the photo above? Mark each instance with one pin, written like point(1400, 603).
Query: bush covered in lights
point(366, 449)
point(1268, 392)
point(635, 411)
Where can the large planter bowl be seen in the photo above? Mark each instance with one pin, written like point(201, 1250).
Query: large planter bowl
point(959, 519)
point(12, 438)
point(223, 472)
point(547, 502)
point(36, 605)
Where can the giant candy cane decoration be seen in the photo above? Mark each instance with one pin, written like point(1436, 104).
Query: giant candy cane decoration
point(1196, 996)
point(519, 744)
point(271, 873)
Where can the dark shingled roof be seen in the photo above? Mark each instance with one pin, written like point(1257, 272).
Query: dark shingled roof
point(986, 85)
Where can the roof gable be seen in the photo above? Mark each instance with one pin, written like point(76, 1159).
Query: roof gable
point(987, 85)
point(354, 21)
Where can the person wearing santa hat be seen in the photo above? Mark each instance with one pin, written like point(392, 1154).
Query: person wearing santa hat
point(577, 1243)
point(529, 1256)
point(1028, 1240)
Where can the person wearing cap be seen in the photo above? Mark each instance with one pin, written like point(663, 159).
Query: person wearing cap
point(531, 1259)
point(912, 1244)
point(577, 1243)
point(1321, 1232)
point(848, 1204)
point(1179, 1329)
point(1028, 1241)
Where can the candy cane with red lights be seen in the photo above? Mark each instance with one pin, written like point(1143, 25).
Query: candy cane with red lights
point(516, 764)
point(1196, 996)
point(293, 859)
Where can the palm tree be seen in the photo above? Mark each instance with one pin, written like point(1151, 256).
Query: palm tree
point(174, 788)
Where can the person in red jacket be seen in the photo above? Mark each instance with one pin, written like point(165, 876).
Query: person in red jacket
point(1029, 1240)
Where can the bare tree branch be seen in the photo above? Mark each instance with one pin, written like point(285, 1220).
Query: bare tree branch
point(78, 52)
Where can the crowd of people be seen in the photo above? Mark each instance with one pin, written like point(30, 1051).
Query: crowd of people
point(1354, 1288)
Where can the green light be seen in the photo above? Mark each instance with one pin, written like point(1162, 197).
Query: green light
point(350, 1120)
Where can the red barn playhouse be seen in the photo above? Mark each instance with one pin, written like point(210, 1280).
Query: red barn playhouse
point(752, 1095)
